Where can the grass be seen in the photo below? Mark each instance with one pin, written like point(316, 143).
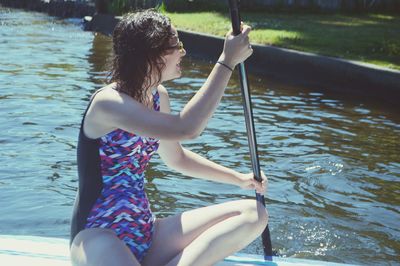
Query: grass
point(371, 38)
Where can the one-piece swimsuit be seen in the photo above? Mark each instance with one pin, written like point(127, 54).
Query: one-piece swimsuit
point(111, 186)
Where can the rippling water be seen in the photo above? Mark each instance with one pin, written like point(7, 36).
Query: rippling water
point(333, 162)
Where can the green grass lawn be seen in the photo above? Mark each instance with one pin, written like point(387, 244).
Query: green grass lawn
point(372, 38)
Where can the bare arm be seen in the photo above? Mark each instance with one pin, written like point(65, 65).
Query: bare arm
point(112, 110)
point(192, 164)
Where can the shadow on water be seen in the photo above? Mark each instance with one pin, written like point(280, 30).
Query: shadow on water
point(333, 162)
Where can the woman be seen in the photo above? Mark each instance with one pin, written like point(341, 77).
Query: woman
point(129, 120)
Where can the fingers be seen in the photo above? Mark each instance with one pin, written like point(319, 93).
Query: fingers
point(249, 182)
point(261, 188)
point(263, 185)
point(245, 33)
point(237, 48)
point(246, 30)
point(264, 177)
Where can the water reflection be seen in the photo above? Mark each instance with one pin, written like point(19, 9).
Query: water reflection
point(99, 59)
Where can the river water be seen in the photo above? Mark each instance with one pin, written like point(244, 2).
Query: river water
point(333, 162)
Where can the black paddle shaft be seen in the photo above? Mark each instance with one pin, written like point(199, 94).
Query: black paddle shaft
point(248, 112)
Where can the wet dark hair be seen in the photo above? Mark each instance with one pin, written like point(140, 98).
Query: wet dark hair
point(139, 41)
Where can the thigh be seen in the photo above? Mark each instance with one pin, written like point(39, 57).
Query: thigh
point(99, 246)
point(174, 233)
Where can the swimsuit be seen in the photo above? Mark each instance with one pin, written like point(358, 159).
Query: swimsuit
point(111, 186)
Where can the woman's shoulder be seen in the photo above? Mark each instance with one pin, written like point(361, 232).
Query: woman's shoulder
point(109, 94)
point(96, 93)
point(164, 99)
point(162, 90)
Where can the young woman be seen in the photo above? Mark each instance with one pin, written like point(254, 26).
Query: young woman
point(129, 120)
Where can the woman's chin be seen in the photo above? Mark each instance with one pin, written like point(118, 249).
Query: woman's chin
point(178, 74)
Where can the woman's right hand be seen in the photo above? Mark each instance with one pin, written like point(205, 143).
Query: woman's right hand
point(247, 181)
point(236, 48)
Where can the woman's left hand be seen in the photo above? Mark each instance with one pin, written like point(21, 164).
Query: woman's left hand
point(247, 181)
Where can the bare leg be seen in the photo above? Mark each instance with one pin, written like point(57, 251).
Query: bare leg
point(100, 247)
point(206, 235)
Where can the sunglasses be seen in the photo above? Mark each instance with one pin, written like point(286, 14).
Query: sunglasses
point(178, 46)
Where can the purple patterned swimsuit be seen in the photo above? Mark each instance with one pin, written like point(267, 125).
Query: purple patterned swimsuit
point(120, 202)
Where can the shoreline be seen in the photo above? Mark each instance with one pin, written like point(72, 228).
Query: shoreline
point(283, 65)
point(290, 66)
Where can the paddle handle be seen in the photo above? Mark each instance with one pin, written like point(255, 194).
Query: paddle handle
point(247, 106)
point(248, 112)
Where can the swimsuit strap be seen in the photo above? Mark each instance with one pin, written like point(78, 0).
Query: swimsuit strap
point(90, 103)
point(156, 100)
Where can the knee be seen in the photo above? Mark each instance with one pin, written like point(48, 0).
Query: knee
point(255, 214)
point(89, 245)
point(92, 236)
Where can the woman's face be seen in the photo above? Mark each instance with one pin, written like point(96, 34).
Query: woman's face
point(173, 58)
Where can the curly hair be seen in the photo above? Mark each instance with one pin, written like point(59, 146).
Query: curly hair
point(139, 41)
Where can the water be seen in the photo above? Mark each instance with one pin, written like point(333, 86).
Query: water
point(333, 162)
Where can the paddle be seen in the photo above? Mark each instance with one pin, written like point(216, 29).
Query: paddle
point(248, 111)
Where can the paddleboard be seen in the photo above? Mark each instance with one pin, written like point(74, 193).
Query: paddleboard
point(47, 251)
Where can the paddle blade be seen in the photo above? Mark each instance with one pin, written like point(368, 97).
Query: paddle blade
point(266, 241)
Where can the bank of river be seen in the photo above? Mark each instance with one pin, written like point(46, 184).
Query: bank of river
point(333, 161)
